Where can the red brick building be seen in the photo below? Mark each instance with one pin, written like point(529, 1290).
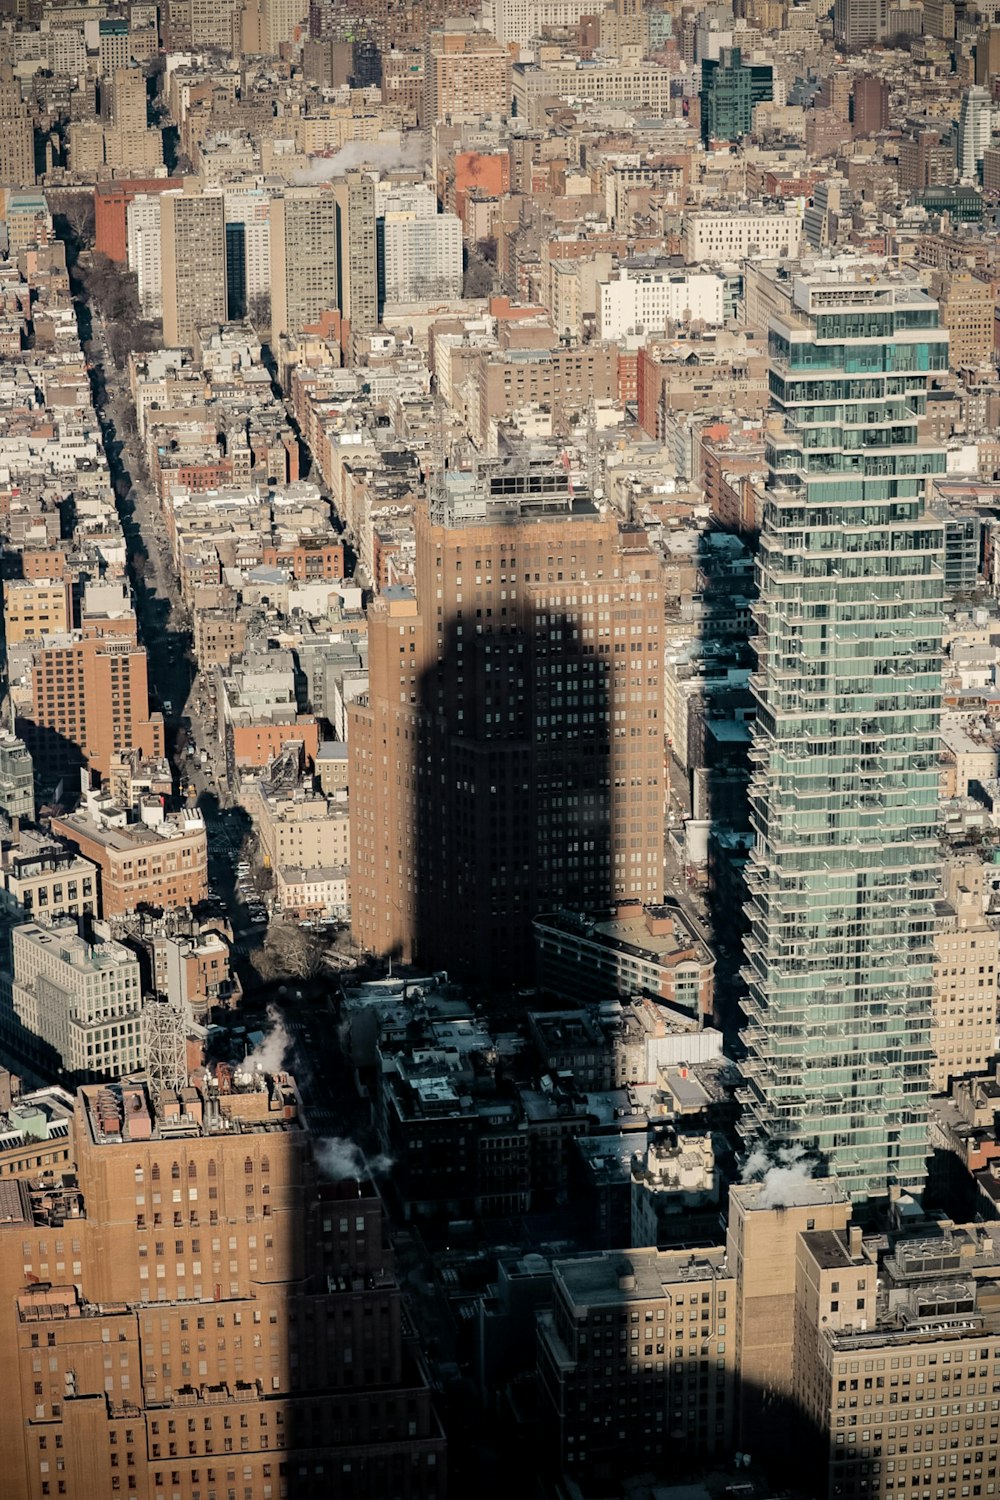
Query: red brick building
point(111, 201)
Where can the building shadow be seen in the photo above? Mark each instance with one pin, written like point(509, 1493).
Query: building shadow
point(509, 757)
point(513, 795)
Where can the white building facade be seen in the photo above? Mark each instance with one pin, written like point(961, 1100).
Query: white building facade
point(646, 300)
point(714, 235)
point(144, 251)
point(423, 258)
point(83, 999)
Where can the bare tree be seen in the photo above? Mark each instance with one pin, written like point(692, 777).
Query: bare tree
point(289, 951)
point(259, 312)
point(77, 212)
point(480, 272)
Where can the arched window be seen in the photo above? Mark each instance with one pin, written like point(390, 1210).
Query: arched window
point(155, 1174)
point(211, 1167)
point(248, 1167)
point(265, 1164)
point(175, 1172)
point(192, 1171)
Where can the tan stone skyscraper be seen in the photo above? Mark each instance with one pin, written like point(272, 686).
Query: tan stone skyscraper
point(193, 258)
point(466, 74)
point(17, 136)
point(303, 249)
point(357, 260)
point(197, 1313)
point(509, 756)
point(966, 964)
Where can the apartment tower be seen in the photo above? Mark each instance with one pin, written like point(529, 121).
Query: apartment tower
point(356, 257)
point(466, 74)
point(303, 248)
point(91, 701)
point(508, 759)
point(844, 870)
point(193, 264)
point(17, 137)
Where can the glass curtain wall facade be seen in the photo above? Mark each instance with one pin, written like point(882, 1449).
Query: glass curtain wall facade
point(844, 873)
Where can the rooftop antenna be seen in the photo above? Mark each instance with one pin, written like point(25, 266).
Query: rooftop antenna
point(164, 1045)
point(592, 454)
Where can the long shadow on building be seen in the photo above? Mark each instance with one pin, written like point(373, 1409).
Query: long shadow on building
point(509, 759)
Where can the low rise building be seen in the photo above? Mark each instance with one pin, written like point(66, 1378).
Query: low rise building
point(36, 1131)
point(653, 950)
point(82, 1000)
point(43, 878)
point(159, 861)
point(317, 891)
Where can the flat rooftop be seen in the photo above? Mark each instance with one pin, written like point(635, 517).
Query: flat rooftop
point(613, 1278)
point(236, 1101)
point(816, 1192)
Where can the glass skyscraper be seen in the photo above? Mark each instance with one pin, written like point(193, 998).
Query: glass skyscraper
point(844, 872)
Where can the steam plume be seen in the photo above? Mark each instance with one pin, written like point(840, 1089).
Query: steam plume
point(338, 1158)
point(381, 155)
point(780, 1172)
point(270, 1055)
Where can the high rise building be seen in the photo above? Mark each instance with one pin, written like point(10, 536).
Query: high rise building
point(111, 201)
point(198, 1313)
point(926, 159)
point(730, 88)
point(279, 22)
point(967, 962)
point(17, 778)
point(860, 23)
point(761, 1240)
point(650, 1405)
point(466, 74)
point(870, 105)
point(175, 25)
point(90, 695)
point(357, 258)
point(419, 251)
point(193, 258)
point(114, 46)
point(509, 757)
point(423, 258)
point(939, 19)
point(987, 55)
point(303, 258)
point(975, 123)
point(843, 873)
point(17, 137)
point(81, 1000)
point(215, 23)
point(124, 93)
point(968, 317)
point(248, 248)
point(145, 251)
point(923, 1315)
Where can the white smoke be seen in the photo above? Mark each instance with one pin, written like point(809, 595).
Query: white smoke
point(270, 1055)
point(338, 1158)
point(780, 1174)
point(382, 156)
